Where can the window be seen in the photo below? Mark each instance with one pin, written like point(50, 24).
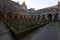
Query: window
point(1, 5)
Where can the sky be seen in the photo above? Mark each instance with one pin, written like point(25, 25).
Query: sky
point(58, 0)
point(38, 4)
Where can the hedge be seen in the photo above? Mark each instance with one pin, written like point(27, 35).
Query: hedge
point(20, 34)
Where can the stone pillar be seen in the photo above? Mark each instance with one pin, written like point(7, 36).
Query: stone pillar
point(59, 16)
point(40, 16)
point(36, 16)
point(46, 17)
point(23, 16)
point(13, 17)
point(52, 16)
point(29, 17)
point(59, 10)
point(18, 16)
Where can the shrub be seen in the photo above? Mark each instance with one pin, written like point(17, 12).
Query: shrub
point(20, 25)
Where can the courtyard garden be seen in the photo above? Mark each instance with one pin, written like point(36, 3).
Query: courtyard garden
point(21, 26)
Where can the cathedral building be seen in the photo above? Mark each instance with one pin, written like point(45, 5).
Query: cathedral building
point(23, 6)
point(10, 9)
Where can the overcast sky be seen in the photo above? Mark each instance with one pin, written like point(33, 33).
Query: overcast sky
point(38, 4)
point(58, 0)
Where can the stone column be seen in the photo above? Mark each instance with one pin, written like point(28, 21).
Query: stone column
point(18, 16)
point(59, 16)
point(5, 16)
point(40, 16)
point(46, 17)
point(52, 16)
point(13, 16)
point(29, 17)
point(26, 16)
point(23, 16)
point(59, 10)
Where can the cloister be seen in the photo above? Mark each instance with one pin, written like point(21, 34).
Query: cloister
point(47, 16)
point(53, 14)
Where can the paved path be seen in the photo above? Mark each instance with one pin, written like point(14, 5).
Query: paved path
point(4, 32)
point(47, 33)
point(58, 30)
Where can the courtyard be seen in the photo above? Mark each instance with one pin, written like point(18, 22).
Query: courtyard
point(19, 22)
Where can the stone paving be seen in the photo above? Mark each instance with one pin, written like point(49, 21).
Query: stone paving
point(58, 30)
point(49, 32)
point(4, 32)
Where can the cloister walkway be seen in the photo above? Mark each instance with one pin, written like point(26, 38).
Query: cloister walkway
point(4, 32)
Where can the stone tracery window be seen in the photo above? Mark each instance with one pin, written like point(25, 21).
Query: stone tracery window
point(43, 16)
point(38, 16)
point(34, 16)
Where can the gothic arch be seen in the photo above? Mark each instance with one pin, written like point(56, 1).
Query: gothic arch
point(49, 16)
point(43, 16)
point(34, 16)
point(38, 16)
point(56, 17)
